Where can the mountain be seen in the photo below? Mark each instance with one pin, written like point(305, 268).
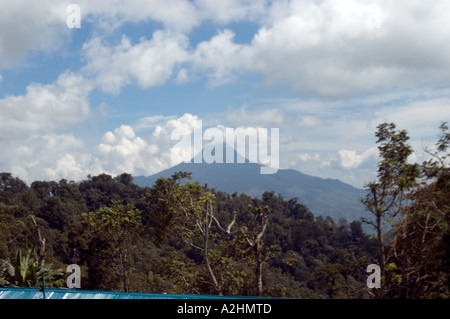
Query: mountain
point(324, 197)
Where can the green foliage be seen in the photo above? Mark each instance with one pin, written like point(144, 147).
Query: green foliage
point(25, 269)
point(395, 178)
point(112, 233)
point(148, 239)
point(420, 248)
point(25, 272)
point(413, 200)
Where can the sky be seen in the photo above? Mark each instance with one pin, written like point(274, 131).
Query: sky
point(107, 96)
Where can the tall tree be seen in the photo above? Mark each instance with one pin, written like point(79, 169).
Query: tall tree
point(113, 232)
point(186, 211)
point(253, 236)
point(395, 178)
point(419, 254)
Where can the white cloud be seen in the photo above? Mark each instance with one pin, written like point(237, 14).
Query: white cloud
point(328, 48)
point(123, 151)
point(182, 76)
point(151, 122)
point(43, 157)
point(164, 131)
point(150, 62)
point(45, 108)
point(30, 146)
point(309, 121)
point(306, 157)
point(66, 167)
point(244, 116)
point(31, 26)
point(223, 11)
point(349, 159)
point(56, 156)
point(221, 57)
point(420, 118)
point(175, 15)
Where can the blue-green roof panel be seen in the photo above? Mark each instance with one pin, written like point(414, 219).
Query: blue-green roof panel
point(36, 293)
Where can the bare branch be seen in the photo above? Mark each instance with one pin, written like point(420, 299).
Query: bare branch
point(232, 222)
point(263, 230)
point(228, 230)
point(41, 240)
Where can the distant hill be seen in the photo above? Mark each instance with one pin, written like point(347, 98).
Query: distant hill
point(324, 197)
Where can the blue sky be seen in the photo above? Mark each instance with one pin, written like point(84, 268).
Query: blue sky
point(107, 96)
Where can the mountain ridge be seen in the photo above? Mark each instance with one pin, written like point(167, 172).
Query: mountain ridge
point(323, 196)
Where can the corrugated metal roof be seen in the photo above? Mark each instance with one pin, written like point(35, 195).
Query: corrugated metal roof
point(50, 293)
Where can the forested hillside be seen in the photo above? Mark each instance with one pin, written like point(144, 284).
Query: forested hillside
point(126, 237)
point(180, 237)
